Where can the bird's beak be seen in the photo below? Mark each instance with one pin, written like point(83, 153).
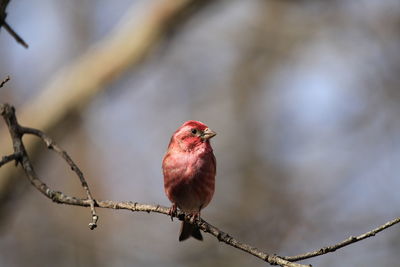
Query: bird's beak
point(208, 133)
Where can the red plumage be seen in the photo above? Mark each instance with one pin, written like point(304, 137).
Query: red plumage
point(189, 168)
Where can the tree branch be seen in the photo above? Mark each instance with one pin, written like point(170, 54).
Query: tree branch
point(346, 242)
point(6, 159)
point(3, 82)
point(3, 23)
point(17, 38)
point(20, 156)
point(16, 131)
point(53, 146)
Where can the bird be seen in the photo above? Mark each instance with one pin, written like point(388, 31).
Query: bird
point(189, 169)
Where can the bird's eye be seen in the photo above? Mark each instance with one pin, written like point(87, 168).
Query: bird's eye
point(194, 131)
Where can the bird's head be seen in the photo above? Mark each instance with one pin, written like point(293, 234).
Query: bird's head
point(191, 135)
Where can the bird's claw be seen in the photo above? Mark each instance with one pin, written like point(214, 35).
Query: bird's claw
point(172, 211)
point(194, 217)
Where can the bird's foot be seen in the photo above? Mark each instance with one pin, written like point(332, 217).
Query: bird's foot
point(172, 211)
point(195, 217)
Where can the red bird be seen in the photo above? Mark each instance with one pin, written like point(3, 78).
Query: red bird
point(189, 168)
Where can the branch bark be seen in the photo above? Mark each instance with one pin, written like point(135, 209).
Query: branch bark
point(53, 146)
point(8, 158)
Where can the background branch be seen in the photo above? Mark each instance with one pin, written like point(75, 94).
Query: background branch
point(14, 34)
point(3, 82)
point(3, 23)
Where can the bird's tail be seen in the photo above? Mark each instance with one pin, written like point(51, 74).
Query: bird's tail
point(188, 230)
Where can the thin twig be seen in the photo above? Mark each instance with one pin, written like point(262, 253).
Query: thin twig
point(15, 35)
point(6, 159)
point(16, 132)
point(3, 23)
point(346, 242)
point(4, 81)
point(53, 146)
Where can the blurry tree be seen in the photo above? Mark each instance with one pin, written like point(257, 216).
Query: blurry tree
point(303, 95)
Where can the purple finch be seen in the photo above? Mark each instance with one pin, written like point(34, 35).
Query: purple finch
point(189, 169)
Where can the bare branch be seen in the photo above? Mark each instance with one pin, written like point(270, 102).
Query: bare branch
point(17, 131)
point(17, 38)
point(3, 23)
point(344, 243)
point(4, 81)
point(20, 156)
point(53, 146)
point(6, 159)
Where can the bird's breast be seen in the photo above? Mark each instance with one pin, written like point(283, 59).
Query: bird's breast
point(189, 178)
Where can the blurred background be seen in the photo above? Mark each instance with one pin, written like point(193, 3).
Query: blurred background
point(304, 96)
